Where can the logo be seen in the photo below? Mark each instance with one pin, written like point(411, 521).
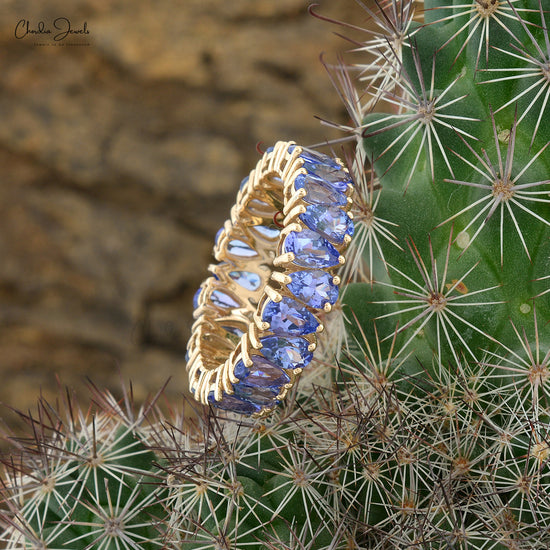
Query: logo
point(61, 32)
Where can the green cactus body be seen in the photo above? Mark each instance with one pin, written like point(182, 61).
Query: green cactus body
point(91, 484)
point(430, 429)
point(454, 128)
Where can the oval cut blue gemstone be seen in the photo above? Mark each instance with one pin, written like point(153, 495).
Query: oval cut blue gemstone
point(314, 287)
point(330, 222)
point(314, 158)
point(240, 249)
point(263, 397)
point(270, 233)
point(289, 317)
point(318, 192)
point(262, 374)
point(261, 383)
point(223, 300)
point(234, 404)
point(196, 298)
point(310, 249)
point(246, 279)
point(287, 353)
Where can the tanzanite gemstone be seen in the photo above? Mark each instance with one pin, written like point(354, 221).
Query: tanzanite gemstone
point(240, 249)
point(243, 182)
point(318, 192)
point(223, 300)
point(234, 404)
point(289, 317)
point(196, 298)
point(263, 397)
point(270, 233)
point(261, 383)
point(330, 222)
point(246, 279)
point(262, 374)
point(314, 287)
point(310, 249)
point(314, 158)
point(287, 353)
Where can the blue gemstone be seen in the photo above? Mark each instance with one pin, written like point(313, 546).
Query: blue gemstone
point(269, 233)
point(246, 279)
point(263, 397)
point(240, 249)
point(261, 383)
point(218, 234)
point(196, 298)
point(243, 182)
point(223, 300)
point(289, 317)
point(234, 404)
point(314, 158)
point(318, 192)
point(330, 222)
point(262, 374)
point(310, 249)
point(314, 287)
point(287, 353)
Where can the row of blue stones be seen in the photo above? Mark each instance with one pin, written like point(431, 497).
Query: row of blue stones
point(326, 225)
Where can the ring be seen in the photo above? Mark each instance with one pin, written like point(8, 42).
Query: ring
point(257, 315)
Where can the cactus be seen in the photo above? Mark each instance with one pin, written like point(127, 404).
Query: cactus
point(423, 422)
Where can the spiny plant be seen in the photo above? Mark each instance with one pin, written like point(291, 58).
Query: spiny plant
point(424, 422)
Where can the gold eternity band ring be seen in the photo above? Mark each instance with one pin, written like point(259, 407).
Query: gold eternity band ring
point(257, 315)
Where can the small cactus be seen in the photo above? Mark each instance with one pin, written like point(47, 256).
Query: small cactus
point(423, 421)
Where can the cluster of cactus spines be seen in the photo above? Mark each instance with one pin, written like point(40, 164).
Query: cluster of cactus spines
point(82, 481)
point(423, 422)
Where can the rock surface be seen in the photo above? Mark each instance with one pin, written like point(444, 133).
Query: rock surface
point(121, 153)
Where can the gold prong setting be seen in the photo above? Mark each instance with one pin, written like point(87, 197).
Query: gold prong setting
point(257, 315)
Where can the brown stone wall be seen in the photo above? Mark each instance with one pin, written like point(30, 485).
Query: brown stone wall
point(121, 151)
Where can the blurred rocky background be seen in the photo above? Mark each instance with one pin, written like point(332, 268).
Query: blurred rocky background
point(121, 150)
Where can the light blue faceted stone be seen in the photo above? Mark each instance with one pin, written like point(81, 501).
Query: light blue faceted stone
point(289, 317)
point(240, 249)
point(261, 383)
point(326, 168)
point(310, 249)
point(234, 404)
point(315, 287)
point(196, 298)
point(223, 300)
point(330, 222)
point(318, 192)
point(339, 179)
point(262, 397)
point(243, 182)
point(262, 374)
point(314, 158)
point(270, 233)
point(247, 279)
point(287, 353)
